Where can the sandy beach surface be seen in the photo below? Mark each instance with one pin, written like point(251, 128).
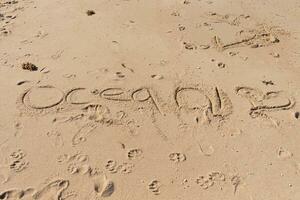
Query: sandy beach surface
point(149, 99)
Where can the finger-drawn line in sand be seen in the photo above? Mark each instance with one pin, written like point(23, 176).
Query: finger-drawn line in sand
point(260, 36)
point(111, 93)
point(40, 99)
point(208, 103)
point(143, 95)
point(212, 102)
point(69, 95)
point(83, 133)
point(259, 101)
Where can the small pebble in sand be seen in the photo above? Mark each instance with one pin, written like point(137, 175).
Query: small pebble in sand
point(90, 12)
point(29, 66)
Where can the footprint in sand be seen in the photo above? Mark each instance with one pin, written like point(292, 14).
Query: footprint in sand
point(14, 194)
point(52, 190)
point(104, 188)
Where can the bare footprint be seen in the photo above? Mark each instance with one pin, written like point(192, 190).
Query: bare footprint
point(52, 190)
point(14, 194)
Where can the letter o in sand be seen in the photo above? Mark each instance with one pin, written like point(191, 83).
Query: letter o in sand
point(43, 97)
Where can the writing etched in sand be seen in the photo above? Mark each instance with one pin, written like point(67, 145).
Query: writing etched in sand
point(155, 100)
point(264, 103)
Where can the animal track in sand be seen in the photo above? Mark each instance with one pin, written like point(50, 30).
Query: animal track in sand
point(283, 153)
point(263, 103)
point(208, 181)
point(126, 168)
point(177, 157)
point(134, 154)
point(17, 161)
point(112, 167)
point(78, 164)
point(154, 187)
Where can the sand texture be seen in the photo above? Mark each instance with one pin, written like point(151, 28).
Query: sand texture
point(149, 99)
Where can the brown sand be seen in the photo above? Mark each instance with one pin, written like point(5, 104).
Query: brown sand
point(150, 99)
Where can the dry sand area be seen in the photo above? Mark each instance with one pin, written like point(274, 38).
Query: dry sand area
point(149, 99)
